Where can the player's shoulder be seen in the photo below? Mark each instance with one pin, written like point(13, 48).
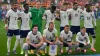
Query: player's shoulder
point(62, 31)
point(86, 33)
point(79, 33)
point(39, 32)
point(9, 11)
point(70, 32)
point(29, 33)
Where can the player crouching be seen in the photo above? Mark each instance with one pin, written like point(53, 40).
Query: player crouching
point(82, 40)
point(66, 38)
point(34, 41)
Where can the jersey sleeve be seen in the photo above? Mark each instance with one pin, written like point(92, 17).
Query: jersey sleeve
point(29, 35)
point(30, 14)
point(40, 36)
point(8, 14)
point(44, 15)
point(61, 34)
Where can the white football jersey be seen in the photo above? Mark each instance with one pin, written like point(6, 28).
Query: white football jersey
point(88, 18)
point(66, 36)
point(64, 18)
point(82, 39)
point(34, 38)
point(50, 35)
point(75, 16)
point(12, 21)
point(49, 17)
point(25, 19)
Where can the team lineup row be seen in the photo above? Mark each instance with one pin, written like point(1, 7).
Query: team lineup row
point(34, 39)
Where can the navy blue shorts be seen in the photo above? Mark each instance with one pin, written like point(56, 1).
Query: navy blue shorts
point(65, 44)
point(75, 29)
point(31, 47)
point(13, 32)
point(90, 31)
point(81, 45)
point(23, 33)
point(61, 28)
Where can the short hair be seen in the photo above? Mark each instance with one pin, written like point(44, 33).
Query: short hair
point(35, 26)
point(87, 5)
point(65, 3)
point(13, 3)
point(66, 26)
point(83, 28)
point(75, 3)
point(25, 5)
point(53, 7)
point(51, 23)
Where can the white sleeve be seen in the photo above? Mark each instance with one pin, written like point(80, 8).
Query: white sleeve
point(71, 35)
point(8, 14)
point(44, 33)
point(88, 40)
point(61, 34)
point(40, 36)
point(29, 35)
point(77, 39)
point(44, 15)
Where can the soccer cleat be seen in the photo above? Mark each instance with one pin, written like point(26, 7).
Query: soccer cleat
point(42, 52)
point(26, 54)
point(94, 50)
point(8, 53)
point(32, 52)
point(22, 52)
point(61, 50)
point(14, 51)
point(37, 55)
point(84, 50)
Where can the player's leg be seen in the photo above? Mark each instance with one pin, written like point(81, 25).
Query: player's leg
point(23, 35)
point(25, 48)
point(70, 46)
point(86, 47)
point(92, 32)
point(17, 34)
point(60, 46)
point(9, 35)
point(42, 48)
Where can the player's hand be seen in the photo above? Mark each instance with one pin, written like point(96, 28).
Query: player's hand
point(37, 45)
point(34, 45)
point(51, 43)
point(6, 27)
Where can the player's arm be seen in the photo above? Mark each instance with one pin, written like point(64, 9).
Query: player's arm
point(77, 39)
point(44, 37)
point(94, 20)
point(88, 40)
point(41, 40)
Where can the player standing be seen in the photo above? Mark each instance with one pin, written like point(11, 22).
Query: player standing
point(25, 28)
point(12, 27)
point(89, 18)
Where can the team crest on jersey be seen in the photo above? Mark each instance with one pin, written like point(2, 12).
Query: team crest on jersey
point(37, 37)
point(76, 15)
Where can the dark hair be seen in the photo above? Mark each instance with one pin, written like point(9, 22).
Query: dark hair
point(53, 7)
point(25, 5)
point(51, 23)
point(13, 3)
point(66, 26)
point(87, 5)
point(65, 3)
point(35, 26)
point(74, 3)
point(82, 27)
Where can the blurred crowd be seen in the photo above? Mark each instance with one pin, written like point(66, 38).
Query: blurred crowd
point(47, 4)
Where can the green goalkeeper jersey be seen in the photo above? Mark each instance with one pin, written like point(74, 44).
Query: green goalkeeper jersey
point(37, 17)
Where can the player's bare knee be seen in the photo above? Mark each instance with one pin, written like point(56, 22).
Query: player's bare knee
point(25, 46)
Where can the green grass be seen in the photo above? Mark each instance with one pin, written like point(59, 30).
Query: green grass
point(3, 40)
